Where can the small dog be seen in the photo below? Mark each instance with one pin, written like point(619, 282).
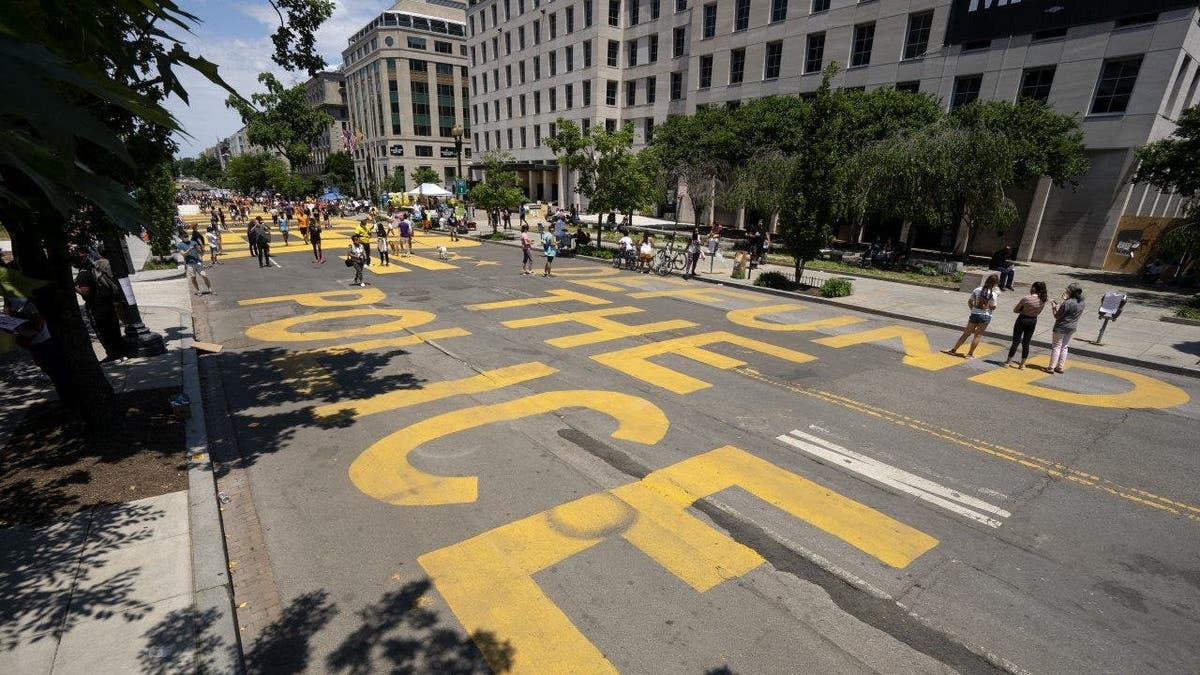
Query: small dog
point(442, 253)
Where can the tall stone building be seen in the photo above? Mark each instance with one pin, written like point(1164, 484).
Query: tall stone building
point(406, 93)
point(1126, 68)
point(326, 92)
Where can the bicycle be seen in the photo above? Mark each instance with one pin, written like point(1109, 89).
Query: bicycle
point(668, 259)
point(625, 260)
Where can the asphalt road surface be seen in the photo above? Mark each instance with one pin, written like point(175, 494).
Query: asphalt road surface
point(459, 468)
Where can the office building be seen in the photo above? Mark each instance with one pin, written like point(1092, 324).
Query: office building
point(325, 91)
point(406, 93)
point(1126, 68)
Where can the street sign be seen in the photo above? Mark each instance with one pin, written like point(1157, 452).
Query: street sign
point(461, 186)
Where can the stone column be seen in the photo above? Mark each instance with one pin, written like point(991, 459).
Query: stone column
point(1033, 222)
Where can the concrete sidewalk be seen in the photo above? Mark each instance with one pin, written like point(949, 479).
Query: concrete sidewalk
point(133, 587)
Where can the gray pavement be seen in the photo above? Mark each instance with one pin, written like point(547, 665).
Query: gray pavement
point(1041, 524)
point(117, 589)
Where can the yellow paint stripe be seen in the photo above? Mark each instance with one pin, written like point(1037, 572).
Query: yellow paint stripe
point(1046, 466)
point(704, 295)
point(605, 329)
point(914, 342)
point(749, 317)
point(552, 296)
point(435, 391)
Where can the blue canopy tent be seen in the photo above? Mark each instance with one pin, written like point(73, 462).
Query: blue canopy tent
point(332, 195)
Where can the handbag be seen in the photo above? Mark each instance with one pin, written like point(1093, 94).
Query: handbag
point(349, 262)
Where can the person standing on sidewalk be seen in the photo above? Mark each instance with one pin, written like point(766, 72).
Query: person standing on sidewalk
point(214, 245)
point(100, 293)
point(1066, 321)
point(694, 252)
point(1028, 308)
point(356, 255)
point(526, 250)
point(982, 302)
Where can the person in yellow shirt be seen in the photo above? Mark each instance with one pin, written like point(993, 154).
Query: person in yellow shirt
point(363, 230)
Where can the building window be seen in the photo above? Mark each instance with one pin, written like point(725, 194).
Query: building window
point(520, 38)
point(1035, 84)
point(524, 138)
point(416, 42)
point(553, 26)
point(570, 20)
point(521, 71)
point(552, 59)
point(652, 44)
point(419, 91)
point(508, 10)
point(917, 41)
point(508, 74)
point(966, 90)
point(587, 92)
point(676, 86)
point(537, 68)
point(706, 62)
point(710, 20)
point(537, 103)
point(655, 10)
point(651, 89)
point(444, 47)
point(680, 41)
point(570, 56)
point(648, 129)
point(424, 150)
point(587, 53)
point(510, 138)
point(537, 32)
point(569, 95)
point(911, 86)
point(610, 125)
point(585, 126)
point(521, 104)
point(631, 92)
point(820, 6)
point(614, 53)
point(1116, 85)
point(737, 66)
point(610, 92)
point(814, 54)
point(614, 13)
point(634, 12)
point(741, 15)
point(587, 13)
point(778, 10)
point(864, 39)
point(537, 135)
point(631, 52)
point(680, 5)
point(773, 61)
point(552, 98)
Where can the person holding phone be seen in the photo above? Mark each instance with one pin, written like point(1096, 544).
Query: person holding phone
point(1066, 321)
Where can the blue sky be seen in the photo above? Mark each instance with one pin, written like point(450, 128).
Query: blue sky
point(235, 34)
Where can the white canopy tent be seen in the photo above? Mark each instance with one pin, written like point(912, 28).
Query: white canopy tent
point(429, 190)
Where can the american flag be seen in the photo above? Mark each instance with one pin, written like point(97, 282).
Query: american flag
point(346, 137)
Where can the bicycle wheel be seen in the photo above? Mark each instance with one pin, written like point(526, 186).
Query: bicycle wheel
point(679, 261)
point(661, 264)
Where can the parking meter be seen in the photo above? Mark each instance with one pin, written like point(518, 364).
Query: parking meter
point(1111, 306)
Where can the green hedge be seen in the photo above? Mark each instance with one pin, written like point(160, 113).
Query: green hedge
point(595, 252)
point(836, 288)
point(776, 280)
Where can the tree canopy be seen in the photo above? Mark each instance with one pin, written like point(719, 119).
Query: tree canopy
point(425, 174)
point(1173, 164)
point(500, 185)
point(609, 174)
point(281, 118)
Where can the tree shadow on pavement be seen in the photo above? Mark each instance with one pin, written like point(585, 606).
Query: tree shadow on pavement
point(43, 571)
point(269, 395)
point(1192, 348)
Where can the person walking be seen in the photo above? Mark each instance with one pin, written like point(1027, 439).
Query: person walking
point(262, 232)
point(550, 248)
point(357, 255)
point(314, 238)
point(100, 294)
point(252, 237)
point(406, 235)
point(982, 302)
point(383, 232)
point(214, 245)
point(193, 261)
point(302, 223)
point(1066, 321)
point(526, 250)
point(1027, 309)
point(284, 228)
point(694, 252)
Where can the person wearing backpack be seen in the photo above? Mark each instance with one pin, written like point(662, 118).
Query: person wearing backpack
point(99, 291)
point(262, 240)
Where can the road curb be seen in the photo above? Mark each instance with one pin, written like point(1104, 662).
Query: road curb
point(211, 586)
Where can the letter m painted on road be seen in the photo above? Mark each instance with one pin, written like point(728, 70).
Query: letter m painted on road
point(488, 582)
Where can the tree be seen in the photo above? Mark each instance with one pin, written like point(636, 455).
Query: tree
point(424, 174)
point(339, 172)
point(609, 174)
point(206, 168)
point(156, 197)
point(1041, 142)
point(83, 127)
point(1173, 164)
point(762, 183)
point(281, 118)
point(251, 174)
point(699, 150)
point(500, 187)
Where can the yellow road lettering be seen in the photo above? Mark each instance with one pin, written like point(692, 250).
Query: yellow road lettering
point(553, 296)
point(488, 580)
point(1144, 391)
point(281, 330)
point(605, 329)
point(707, 295)
point(635, 361)
point(384, 472)
point(348, 298)
point(917, 351)
point(749, 318)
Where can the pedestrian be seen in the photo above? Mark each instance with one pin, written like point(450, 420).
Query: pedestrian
point(33, 334)
point(284, 228)
point(100, 292)
point(302, 223)
point(550, 248)
point(314, 238)
point(356, 256)
point(262, 233)
point(1028, 308)
point(524, 212)
point(1002, 263)
point(526, 252)
point(452, 221)
point(507, 218)
point(406, 235)
point(221, 217)
point(1066, 321)
point(383, 231)
point(193, 262)
point(694, 252)
point(252, 237)
point(982, 302)
point(214, 245)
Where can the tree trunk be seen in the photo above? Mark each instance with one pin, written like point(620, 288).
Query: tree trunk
point(85, 388)
point(799, 268)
